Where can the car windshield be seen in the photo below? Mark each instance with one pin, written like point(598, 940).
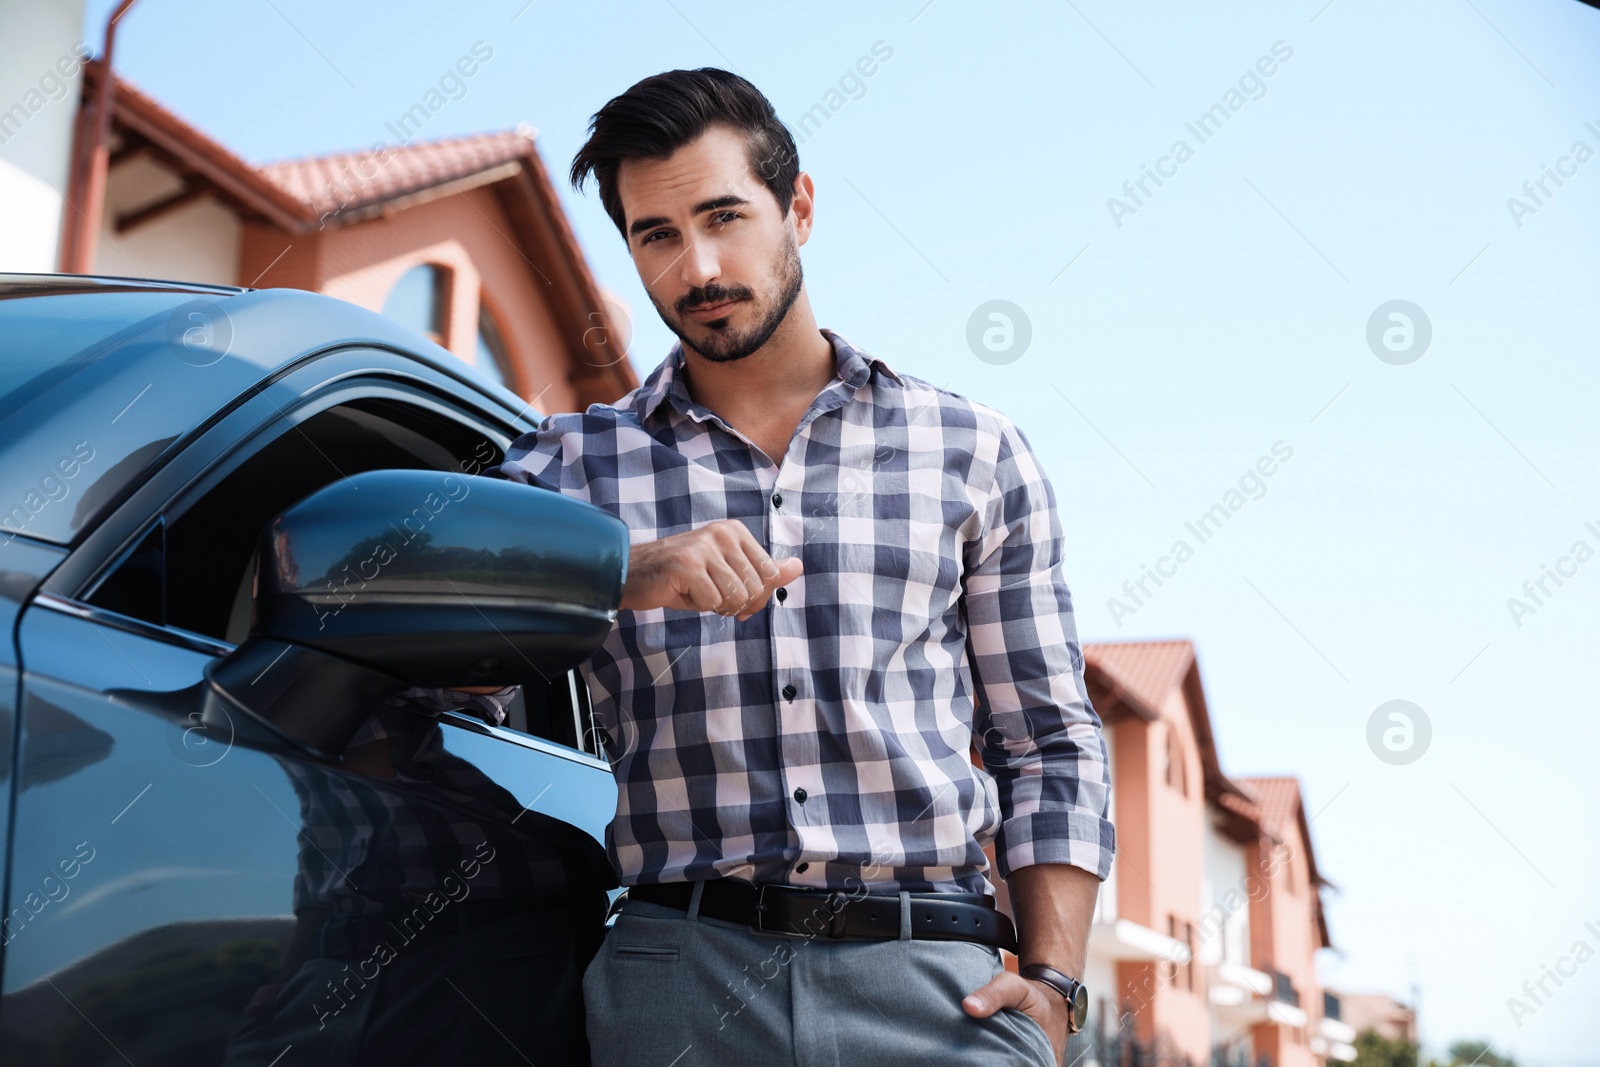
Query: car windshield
point(51, 337)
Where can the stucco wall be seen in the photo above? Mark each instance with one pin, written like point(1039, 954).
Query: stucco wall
point(198, 242)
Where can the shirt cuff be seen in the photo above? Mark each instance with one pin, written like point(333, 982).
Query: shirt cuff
point(1079, 836)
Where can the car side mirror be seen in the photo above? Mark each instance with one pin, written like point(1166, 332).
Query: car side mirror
point(396, 578)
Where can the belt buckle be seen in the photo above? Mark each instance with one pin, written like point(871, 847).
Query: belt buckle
point(761, 915)
point(834, 902)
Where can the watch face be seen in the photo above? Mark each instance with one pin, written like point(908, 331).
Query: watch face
point(1080, 1007)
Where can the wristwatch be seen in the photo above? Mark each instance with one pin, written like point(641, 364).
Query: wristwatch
point(1075, 992)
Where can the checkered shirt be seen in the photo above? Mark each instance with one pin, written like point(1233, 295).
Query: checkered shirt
point(830, 737)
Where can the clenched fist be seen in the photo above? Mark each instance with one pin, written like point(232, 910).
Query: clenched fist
point(719, 567)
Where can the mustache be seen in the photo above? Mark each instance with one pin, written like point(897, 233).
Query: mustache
point(716, 294)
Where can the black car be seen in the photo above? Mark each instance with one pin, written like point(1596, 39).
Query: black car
point(243, 536)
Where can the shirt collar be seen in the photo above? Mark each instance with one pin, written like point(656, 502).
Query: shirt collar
point(852, 366)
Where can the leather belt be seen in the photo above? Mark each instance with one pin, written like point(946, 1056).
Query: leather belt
point(837, 915)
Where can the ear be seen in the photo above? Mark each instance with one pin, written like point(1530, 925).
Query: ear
point(803, 207)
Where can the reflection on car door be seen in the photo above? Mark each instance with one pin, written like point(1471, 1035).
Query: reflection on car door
point(188, 891)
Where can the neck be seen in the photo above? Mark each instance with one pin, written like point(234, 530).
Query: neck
point(788, 371)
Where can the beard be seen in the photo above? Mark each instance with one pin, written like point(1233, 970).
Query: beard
point(719, 340)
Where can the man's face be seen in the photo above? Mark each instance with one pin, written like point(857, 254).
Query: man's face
point(719, 263)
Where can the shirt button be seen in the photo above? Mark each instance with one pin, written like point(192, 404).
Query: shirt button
point(777, 500)
point(799, 796)
point(802, 868)
point(789, 693)
point(783, 594)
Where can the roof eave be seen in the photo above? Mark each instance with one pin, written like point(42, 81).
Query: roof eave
point(573, 290)
point(202, 156)
point(377, 208)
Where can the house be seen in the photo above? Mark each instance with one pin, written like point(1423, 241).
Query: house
point(1204, 941)
point(1378, 1012)
point(463, 239)
point(1287, 927)
point(1143, 942)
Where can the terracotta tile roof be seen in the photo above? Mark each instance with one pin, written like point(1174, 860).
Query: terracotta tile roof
point(302, 191)
point(1277, 798)
point(342, 180)
point(192, 149)
point(1243, 806)
point(1283, 812)
point(1146, 671)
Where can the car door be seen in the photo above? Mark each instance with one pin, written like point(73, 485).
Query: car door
point(171, 876)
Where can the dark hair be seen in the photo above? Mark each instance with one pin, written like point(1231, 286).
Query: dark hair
point(664, 112)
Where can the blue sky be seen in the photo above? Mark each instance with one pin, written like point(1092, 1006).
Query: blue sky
point(1171, 348)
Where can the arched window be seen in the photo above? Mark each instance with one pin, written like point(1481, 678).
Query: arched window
point(419, 301)
point(491, 356)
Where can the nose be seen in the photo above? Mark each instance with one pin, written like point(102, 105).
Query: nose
point(699, 266)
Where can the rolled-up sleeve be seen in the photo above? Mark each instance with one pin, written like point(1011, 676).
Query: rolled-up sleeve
point(1036, 730)
point(538, 456)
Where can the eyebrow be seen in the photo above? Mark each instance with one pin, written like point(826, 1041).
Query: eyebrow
point(726, 200)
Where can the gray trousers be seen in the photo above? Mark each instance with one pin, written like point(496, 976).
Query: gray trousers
point(676, 989)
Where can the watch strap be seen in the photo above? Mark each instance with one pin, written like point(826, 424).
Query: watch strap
point(1062, 983)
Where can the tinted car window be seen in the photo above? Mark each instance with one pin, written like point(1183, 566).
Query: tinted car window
point(191, 569)
point(194, 567)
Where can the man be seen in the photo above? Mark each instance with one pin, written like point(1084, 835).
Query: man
point(841, 578)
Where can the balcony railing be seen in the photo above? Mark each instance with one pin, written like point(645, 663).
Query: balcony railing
point(1095, 1048)
point(1331, 1006)
point(1283, 989)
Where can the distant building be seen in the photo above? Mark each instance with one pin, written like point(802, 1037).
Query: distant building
point(1287, 929)
point(1143, 942)
point(1380, 1012)
point(1204, 941)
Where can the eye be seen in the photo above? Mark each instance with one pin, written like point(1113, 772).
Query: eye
point(723, 217)
point(652, 236)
